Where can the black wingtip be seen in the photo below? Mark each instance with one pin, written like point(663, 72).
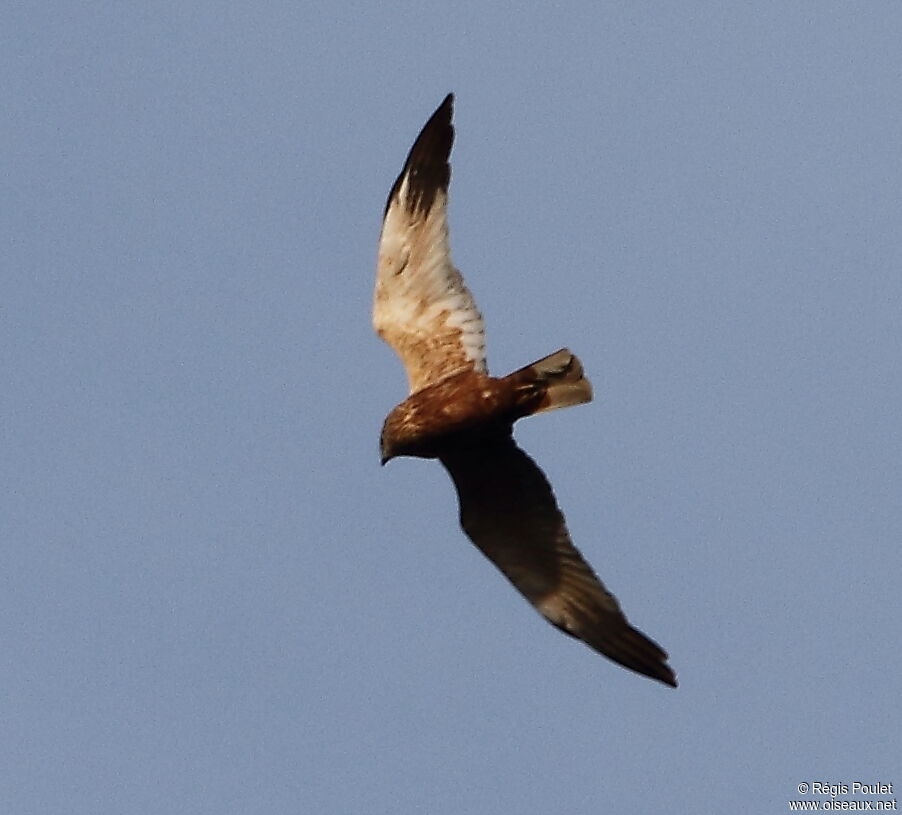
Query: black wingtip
point(645, 656)
point(427, 165)
point(628, 647)
point(669, 678)
point(655, 669)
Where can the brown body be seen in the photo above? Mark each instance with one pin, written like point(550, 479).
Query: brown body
point(468, 406)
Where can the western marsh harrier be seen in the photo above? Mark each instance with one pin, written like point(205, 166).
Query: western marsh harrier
point(460, 415)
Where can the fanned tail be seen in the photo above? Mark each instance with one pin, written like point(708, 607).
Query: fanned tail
point(558, 377)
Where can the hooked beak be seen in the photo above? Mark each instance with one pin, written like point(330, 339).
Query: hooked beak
point(386, 451)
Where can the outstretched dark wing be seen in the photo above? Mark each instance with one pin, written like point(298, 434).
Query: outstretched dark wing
point(508, 510)
point(421, 306)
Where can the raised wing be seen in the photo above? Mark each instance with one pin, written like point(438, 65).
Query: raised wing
point(508, 510)
point(421, 306)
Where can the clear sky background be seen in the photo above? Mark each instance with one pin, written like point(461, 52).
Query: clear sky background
point(213, 600)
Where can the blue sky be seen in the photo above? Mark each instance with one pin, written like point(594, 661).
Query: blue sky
point(212, 599)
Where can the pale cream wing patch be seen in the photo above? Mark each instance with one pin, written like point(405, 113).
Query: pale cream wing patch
point(421, 306)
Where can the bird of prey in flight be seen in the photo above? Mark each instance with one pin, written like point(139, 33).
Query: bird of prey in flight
point(460, 415)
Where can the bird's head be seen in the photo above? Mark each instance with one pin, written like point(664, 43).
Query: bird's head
point(388, 447)
point(401, 435)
